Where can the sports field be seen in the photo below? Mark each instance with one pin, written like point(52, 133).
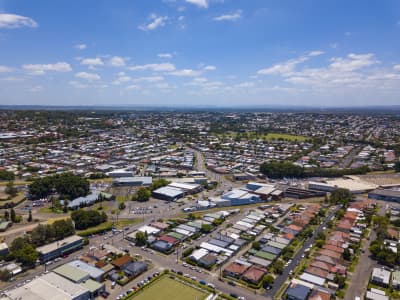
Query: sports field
point(167, 288)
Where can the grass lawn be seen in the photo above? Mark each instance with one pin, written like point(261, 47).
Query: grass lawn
point(16, 200)
point(267, 137)
point(168, 288)
point(286, 137)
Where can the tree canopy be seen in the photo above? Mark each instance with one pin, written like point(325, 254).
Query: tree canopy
point(277, 169)
point(68, 185)
point(84, 219)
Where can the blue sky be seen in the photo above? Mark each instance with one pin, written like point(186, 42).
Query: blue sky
point(200, 52)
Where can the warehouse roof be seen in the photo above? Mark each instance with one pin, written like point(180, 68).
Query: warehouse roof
point(92, 271)
point(71, 273)
point(54, 246)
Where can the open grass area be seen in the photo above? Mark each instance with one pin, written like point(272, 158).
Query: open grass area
point(267, 137)
point(286, 137)
point(106, 226)
point(14, 201)
point(168, 288)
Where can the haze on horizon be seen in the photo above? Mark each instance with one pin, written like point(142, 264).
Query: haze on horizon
point(200, 52)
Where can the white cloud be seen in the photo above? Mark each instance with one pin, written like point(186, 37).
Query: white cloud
point(92, 61)
point(155, 22)
point(209, 68)
point(185, 73)
point(40, 69)
point(121, 79)
point(12, 78)
point(315, 53)
point(165, 55)
point(396, 67)
point(229, 17)
point(199, 3)
point(133, 87)
point(12, 21)
point(149, 79)
point(5, 69)
point(88, 76)
point(163, 85)
point(286, 68)
point(246, 84)
point(353, 62)
point(36, 88)
point(78, 85)
point(334, 45)
point(80, 46)
point(163, 67)
point(117, 61)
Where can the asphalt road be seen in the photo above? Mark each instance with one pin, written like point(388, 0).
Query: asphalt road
point(281, 279)
point(360, 277)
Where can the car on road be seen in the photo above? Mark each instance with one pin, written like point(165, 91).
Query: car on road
point(202, 282)
point(231, 283)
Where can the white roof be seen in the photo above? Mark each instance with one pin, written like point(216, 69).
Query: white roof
point(373, 296)
point(48, 287)
point(3, 246)
point(245, 224)
point(92, 271)
point(184, 186)
point(199, 253)
point(215, 249)
point(183, 231)
point(313, 279)
point(149, 229)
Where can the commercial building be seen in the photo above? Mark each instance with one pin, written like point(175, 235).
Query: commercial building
point(94, 273)
point(385, 195)
point(59, 248)
point(168, 193)
point(240, 197)
point(133, 181)
point(50, 286)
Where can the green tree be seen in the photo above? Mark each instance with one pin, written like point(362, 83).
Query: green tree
point(143, 194)
point(206, 228)
point(140, 238)
point(268, 280)
point(340, 196)
point(13, 216)
point(24, 252)
point(256, 245)
point(278, 266)
point(5, 275)
point(6, 175)
point(340, 280)
point(122, 206)
point(68, 185)
point(30, 216)
point(397, 166)
point(275, 169)
point(346, 254)
point(11, 190)
point(84, 219)
point(6, 215)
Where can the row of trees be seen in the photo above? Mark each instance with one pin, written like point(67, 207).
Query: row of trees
point(84, 219)
point(379, 250)
point(68, 185)
point(282, 169)
point(23, 249)
point(44, 234)
point(6, 175)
